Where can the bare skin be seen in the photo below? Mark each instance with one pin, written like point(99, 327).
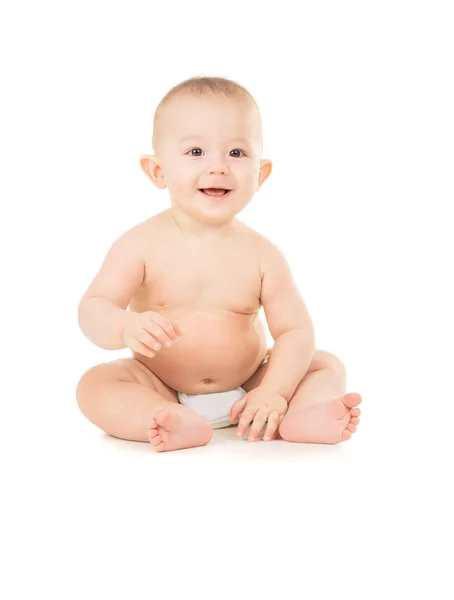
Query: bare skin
point(215, 303)
point(221, 345)
point(201, 268)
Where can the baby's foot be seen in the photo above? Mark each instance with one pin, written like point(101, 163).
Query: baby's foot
point(329, 422)
point(178, 428)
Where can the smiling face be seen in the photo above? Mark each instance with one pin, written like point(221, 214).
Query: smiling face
point(208, 142)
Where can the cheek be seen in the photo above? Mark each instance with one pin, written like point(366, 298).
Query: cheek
point(248, 177)
point(188, 172)
point(182, 176)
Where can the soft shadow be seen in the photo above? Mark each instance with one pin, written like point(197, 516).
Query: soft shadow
point(228, 443)
point(228, 439)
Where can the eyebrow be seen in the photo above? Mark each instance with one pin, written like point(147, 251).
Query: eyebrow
point(198, 137)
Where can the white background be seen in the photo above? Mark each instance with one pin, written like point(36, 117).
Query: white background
point(357, 106)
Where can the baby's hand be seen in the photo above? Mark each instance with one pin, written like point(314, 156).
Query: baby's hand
point(148, 331)
point(259, 406)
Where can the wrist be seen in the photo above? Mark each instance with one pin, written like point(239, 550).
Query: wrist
point(125, 320)
point(271, 388)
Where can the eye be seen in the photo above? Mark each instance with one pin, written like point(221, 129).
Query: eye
point(195, 149)
point(237, 150)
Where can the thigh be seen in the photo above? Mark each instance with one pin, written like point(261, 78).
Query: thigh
point(320, 360)
point(128, 370)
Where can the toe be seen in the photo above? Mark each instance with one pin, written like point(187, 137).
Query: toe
point(152, 432)
point(355, 412)
point(352, 399)
point(156, 440)
point(355, 420)
point(164, 418)
point(346, 435)
point(351, 427)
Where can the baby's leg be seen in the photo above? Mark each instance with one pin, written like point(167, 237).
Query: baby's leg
point(128, 401)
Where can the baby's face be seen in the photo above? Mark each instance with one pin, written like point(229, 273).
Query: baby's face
point(211, 143)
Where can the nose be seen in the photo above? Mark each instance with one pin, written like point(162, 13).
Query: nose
point(218, 167)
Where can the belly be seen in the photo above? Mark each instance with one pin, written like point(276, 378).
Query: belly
point(214, 353)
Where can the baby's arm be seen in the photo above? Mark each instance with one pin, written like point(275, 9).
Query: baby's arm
point(102, 310)
point(289, 323)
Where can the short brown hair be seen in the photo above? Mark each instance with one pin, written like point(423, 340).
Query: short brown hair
point(200, 86)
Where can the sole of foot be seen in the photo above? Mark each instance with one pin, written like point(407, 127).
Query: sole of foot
point(328, 422)
point(178, 428)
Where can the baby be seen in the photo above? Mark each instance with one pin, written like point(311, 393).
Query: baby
point(194, 278)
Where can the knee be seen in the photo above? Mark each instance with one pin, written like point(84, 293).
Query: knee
point(332, 361)
point(86, 386)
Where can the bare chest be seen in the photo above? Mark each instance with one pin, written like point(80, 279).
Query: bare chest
point(202, 279)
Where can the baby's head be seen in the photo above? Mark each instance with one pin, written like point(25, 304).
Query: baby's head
point(207, 133)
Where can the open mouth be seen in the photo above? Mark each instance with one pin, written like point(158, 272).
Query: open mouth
point(215, 192)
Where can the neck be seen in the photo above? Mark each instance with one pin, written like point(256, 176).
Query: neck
point(197, 229)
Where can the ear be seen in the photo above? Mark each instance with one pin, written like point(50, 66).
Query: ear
point(266, 166)
point(151, 166)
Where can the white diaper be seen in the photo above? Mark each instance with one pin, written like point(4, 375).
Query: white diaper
point(214, 407)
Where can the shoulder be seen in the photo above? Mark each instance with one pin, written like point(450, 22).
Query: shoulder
point(145, 232)
point(154, 225)
point(268, 252)
point(254, 238)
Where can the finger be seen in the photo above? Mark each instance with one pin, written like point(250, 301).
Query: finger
point(170, 328)
point(274, 420)
point(166, 326)
point(247, 416)
point(142, 349)
point(176, 328)
point(259, 421)
point(148, 340)
point(156, 331)
point(236, 409)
